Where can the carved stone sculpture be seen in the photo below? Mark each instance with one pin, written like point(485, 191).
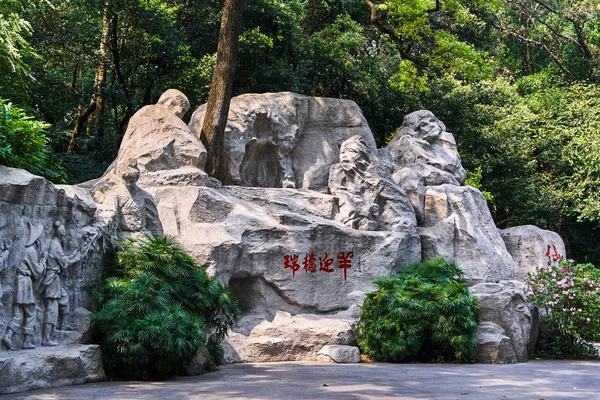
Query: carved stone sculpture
point(29, 270)
point(136, 210)
point(4, 253)
point(368, 200)
point(423, 139)
point(54, 294)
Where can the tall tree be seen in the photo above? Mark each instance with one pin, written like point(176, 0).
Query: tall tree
point(217, 107)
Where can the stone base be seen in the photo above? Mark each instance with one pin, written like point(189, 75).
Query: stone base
point(47, 367)
point(339, 354)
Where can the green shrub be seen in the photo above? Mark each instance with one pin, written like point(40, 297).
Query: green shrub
point(423, 313)
point(23, 144)
point(158, 308)
point(570, 295)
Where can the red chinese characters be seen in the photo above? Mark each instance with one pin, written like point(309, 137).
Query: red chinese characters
point(291, 262)
point(324, 264)
point(552, 255)
point(345, 261)
point(309, 263)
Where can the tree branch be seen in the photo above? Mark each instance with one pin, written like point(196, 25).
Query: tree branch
point(539, 45)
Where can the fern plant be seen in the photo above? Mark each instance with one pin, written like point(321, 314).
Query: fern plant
point(423, 313)
point(157, 309)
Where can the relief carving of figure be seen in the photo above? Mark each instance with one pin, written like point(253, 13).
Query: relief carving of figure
point(4, 253)
point(368, 201)
point(29, 270)
point(55, 295)
point(137, 211)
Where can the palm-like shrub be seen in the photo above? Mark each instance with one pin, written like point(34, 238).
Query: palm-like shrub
point(423, 313)
point(157, 309)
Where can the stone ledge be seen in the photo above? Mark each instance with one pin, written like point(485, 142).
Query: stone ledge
point(47, 367)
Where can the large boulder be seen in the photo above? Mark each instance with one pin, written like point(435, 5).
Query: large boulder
point(160, 145)
point(310, 214)
point(282, 256)
point(285, 139)
point(285, 254)
point(458, 226)
point(287, 338)
point(532, 248)
point(50, 367)
point(505, 331)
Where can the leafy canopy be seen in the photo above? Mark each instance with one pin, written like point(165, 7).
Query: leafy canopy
point(23, 143)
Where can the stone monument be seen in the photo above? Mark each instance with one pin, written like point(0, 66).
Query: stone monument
point(309, 213)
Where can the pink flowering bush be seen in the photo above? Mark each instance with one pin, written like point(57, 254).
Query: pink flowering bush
point(570, 294)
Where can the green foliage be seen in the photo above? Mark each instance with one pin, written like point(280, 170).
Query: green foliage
point(423, 313)
point(570, 294)
point(23, 143)
point(158, 308)
point(560, 348)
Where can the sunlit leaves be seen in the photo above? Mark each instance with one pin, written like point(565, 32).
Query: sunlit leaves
point(423, 313)
point(158, 309)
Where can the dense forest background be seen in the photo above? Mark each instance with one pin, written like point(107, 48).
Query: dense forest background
point(516, 81)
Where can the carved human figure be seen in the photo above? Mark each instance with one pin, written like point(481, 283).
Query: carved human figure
point(368, 201)
point(137, 211)
point(30, 269)
point(423, 139)
point(55, 295)
point(4, 253)
point(268, 158)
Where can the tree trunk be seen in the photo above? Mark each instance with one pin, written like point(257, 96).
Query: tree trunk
point(100, 81)
point(82, 116)
point(217, 108)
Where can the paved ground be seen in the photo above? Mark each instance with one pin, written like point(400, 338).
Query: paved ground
point(548, 380)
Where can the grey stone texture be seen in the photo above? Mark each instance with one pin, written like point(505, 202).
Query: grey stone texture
point(309, 215)
point(175, 101)
point(532, 248)
point(423, 139)
point(339, 354)
point(285, 140)
point(458, 226)
point(50, 367)
point(506, 320)
point(53, 245)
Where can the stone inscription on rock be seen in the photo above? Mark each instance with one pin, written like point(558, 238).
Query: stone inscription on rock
point(552, 254)
point(309, 264)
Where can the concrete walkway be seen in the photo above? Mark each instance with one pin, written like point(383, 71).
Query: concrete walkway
point(548, 380)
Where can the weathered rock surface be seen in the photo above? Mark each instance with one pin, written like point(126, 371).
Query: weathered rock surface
point(458, 226)
point(285, 139)
point(287, 337)
point(175, 101)
point(494, 346)
point(505, 313)
point(423, 139)
point(201, 363)
point(532, 247)
point(50, 367)
point(339, 354)
point(157, 142)
point(51, 245)
point(248, 246)
point(310, 215)
point(368, 199)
